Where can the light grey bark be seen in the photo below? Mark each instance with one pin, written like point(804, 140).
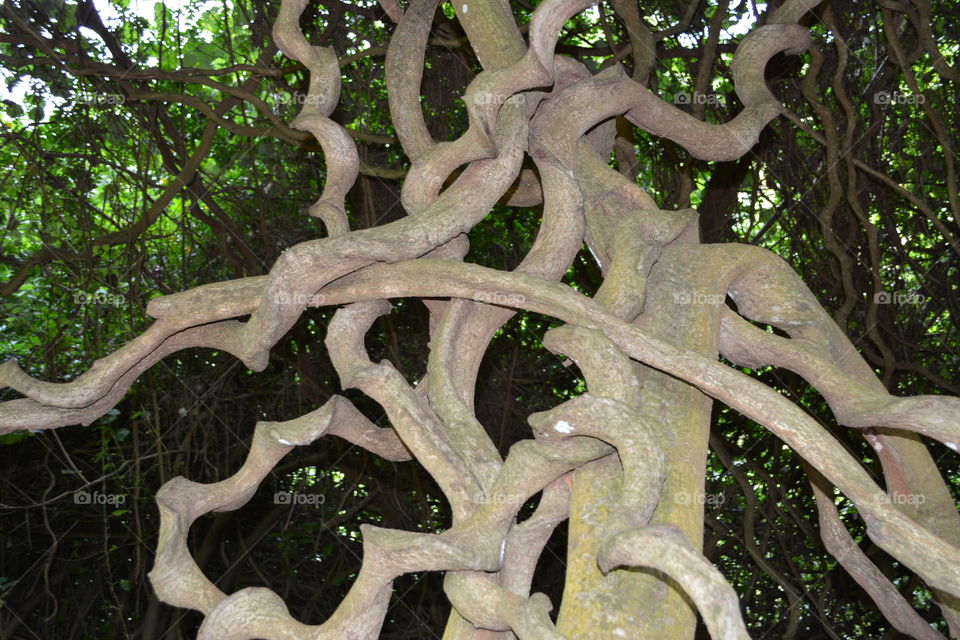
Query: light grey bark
point(617, 460)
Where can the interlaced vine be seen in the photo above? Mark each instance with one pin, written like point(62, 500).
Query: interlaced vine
point(612, 459)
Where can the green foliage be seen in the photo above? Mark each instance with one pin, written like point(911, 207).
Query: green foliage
point(87, 155)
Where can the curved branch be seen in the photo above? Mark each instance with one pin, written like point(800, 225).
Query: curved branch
point(663, 547)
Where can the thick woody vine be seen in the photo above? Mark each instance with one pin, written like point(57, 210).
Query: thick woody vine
point(627, 340)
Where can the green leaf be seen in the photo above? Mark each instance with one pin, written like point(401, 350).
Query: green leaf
point(13, 109)
point(15, 437)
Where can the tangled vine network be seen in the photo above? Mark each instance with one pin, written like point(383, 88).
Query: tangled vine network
point(605, 459)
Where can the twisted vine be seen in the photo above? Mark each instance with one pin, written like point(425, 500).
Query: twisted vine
point(631, 344)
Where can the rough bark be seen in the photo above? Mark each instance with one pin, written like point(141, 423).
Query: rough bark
point(624, 461)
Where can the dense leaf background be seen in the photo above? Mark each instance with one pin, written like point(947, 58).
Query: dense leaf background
point(145, 150)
